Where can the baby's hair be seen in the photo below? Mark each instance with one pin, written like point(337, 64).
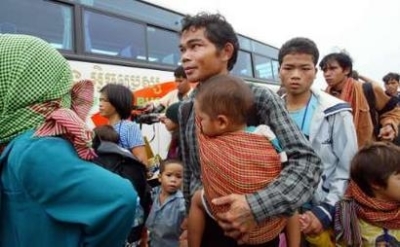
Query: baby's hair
point(166, 162)
point(106, 133)
point(373, 164)
point(226, 95)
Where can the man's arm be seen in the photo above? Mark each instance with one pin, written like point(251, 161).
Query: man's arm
point(391, 115)
point(299, 176)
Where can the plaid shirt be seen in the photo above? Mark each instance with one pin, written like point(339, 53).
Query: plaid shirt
point(300, 174)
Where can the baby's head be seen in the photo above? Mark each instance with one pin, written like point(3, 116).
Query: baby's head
point(104, 133)
point(376, 170)
point(223, 104)
point(171, 174)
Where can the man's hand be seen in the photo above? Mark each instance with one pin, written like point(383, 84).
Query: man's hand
point(238, 221)
point(310, 224)
point(387, 133)
point(183, 241)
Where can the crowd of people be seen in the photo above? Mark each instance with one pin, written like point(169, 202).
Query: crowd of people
point(245, 166)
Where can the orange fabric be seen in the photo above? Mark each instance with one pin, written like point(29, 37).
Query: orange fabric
point(375, 211)
point(353, 94)
point(239, 163)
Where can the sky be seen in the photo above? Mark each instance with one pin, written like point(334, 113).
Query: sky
point(367, 29)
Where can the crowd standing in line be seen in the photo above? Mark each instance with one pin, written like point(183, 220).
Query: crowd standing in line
point(288, 186)
point(209, 47)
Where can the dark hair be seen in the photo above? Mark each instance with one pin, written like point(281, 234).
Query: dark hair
point(179, 72)
point(166, 162)
point(217, 30)
point(120, 97)
point(343, 59)
point(391, 76)
point(227, 95)
point(106, 133)
point(373, 164)
point(299, 45)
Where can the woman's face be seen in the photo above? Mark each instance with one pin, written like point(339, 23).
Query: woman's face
point(106, 109)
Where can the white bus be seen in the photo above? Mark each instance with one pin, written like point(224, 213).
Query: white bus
point(125, 41)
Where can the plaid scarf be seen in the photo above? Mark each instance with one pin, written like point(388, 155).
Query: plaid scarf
point(35, 93)
point(240, 163)
point(357, 204)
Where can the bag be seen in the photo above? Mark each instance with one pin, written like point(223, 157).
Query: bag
point(122, 162)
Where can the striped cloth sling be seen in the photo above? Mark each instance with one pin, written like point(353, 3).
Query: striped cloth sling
point(239, 163)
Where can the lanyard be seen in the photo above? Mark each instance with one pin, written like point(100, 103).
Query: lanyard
point(305, 114)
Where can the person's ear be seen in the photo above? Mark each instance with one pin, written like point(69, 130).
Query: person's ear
point(159, 177)
point(227, 51)
point(347, 72)
point(222, 121)
point(377, 188)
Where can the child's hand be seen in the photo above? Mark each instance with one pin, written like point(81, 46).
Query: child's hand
point(304, 220)
point(310, 224)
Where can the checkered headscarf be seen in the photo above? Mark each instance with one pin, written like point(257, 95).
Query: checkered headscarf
point(35, 93)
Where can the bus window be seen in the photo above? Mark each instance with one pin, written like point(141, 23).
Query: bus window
point(244, 43)
point(275, 69)
point(163, 46)
point(243, 65)
point(264, 49)
point(263, 67)
point(50, 21)
point(112, 36)
point(139, 11)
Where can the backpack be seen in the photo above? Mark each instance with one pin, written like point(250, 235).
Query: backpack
point(368, 91)
point(120, 161)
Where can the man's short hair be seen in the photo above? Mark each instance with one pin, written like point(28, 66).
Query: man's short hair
point(217, 30)
point(343, 59)
point(391, 76)
point(299, 45)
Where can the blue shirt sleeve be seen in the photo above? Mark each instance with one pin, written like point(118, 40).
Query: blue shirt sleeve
point(130, 135)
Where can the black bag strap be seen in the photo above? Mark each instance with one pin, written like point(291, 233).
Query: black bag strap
point(370, 96)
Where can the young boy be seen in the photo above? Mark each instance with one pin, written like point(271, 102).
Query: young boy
point(232, 159)
point(168, 209)
point(372, 204)
point(327, 123)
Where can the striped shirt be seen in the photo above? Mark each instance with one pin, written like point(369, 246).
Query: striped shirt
point(300, 174)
